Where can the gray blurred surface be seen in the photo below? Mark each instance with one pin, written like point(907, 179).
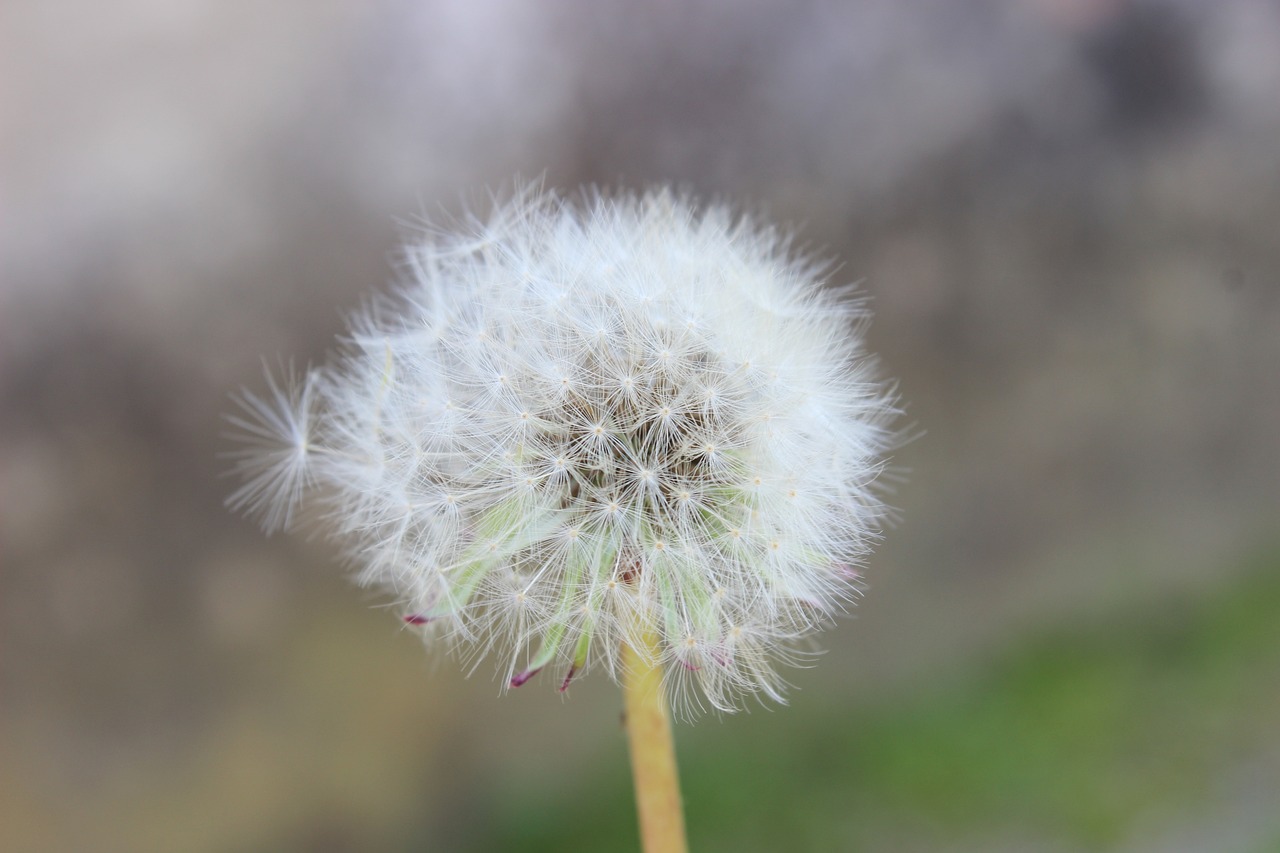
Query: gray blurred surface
point(1067, 214)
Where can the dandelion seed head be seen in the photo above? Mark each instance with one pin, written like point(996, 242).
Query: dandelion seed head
point(573, 424)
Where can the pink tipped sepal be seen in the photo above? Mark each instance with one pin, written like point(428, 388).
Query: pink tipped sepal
point(521, 677)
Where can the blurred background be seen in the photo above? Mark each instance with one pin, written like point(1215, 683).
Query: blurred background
point(1067, 213)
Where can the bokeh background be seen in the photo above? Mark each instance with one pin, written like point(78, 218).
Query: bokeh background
point(1067, 213)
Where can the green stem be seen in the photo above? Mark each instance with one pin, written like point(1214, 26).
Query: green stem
point(653, 754)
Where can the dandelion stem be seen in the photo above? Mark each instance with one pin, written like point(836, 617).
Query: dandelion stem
point(653, 754)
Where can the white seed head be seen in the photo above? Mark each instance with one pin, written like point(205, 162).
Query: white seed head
point(575, 424)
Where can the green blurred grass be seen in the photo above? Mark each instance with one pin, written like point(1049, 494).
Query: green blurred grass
point(1077, 737)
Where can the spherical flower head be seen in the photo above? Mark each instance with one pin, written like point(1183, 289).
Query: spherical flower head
point(576, 425)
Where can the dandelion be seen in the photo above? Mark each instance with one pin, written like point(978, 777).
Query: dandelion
point(630, 434)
